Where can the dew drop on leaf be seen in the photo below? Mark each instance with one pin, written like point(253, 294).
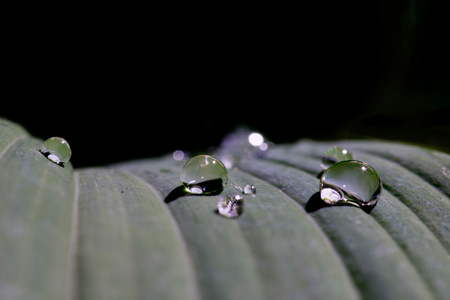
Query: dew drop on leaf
point(249, 189)
point(352, 182)
point(57, 150)
point(231, 206)
point(204, 174)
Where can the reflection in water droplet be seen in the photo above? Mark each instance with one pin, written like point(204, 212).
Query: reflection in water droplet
point(57, 150)
point(204, 174)
point(231, 206)
point(330, 196)
point(352, 182)
point(333, 155)
point(249, 189)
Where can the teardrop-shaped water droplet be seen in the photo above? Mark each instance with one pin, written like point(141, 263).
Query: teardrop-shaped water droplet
point(231, 206)
point(249, 189)
point(204, 174)
point(353, 182)
point(57, 150)
point(333, 155)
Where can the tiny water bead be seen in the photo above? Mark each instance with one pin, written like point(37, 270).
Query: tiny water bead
point(231, 206)
point(353, 182)
point(204, 174)
point(257, 140)
point(57, 150)
point(333, 155)
point(249, 189)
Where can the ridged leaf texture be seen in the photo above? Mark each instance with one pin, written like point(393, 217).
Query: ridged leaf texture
point(127, 231)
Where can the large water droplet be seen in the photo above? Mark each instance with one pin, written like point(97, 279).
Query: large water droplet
point(333, 155)
point(353, 182)
point(57, 150)
point(231, 206)
point(204, 174)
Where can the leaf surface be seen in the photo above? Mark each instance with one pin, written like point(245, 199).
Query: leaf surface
point(130, 231)
point(36, 202)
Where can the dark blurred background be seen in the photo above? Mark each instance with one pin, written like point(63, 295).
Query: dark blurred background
point(121, 82)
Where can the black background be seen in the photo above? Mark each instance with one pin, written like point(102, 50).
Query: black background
point(123, 82)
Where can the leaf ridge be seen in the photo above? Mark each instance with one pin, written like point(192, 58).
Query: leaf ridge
point(407, 261)
point(392, 175)
point(176, 226)
point(325, 237)
point(72, 276)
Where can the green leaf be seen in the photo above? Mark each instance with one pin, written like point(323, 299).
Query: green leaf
point(130, 231)
point(36, 207)
point(129, 246)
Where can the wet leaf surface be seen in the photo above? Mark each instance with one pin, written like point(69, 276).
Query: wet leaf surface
point(130, 230)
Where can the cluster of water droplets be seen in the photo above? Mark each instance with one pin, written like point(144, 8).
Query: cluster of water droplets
point(343, 181)
point(206, 174)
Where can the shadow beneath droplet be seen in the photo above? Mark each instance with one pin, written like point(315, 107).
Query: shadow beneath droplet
point(320, 174)
point(315, 203)
point(368, 209)
point(180, 191)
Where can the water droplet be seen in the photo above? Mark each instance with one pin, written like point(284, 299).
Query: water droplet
point(446, 172)
point(353, 182)
point(204, 174)
point(333, 155)
point(255, 139)
point(231, 206)
point(249, 189)
point(57, 150)
point(178, 155)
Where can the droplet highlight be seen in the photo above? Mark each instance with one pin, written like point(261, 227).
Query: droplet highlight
point(57, 150)
point(335, 154)
point(350, 182)
point(204, 174)
point(249, 189)
point(231, 206)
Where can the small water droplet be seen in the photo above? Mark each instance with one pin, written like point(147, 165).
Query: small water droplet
point(264, 146)
point(255, 139)
point(333, 155)
point(231, 206)
point(204, 174)
point(446, 172)
point(57, 150)
point(352, 182)
point(249, 189)
point(178, 155)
